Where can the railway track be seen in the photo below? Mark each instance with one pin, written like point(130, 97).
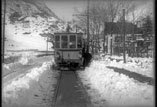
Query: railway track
point(70, 92)
point(84, 89)
point(57, 89)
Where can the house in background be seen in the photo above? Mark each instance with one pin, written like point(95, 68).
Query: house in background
point(135, 42)
point(114, 37)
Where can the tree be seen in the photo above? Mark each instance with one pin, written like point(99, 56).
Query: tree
point(147, 31)
point(133, 17)
point(107, 11)
point(95, 25)
point(138, 14)
point(112, 11)
point(147, 26)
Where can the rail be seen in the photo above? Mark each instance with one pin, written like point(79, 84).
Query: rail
point(56, 94)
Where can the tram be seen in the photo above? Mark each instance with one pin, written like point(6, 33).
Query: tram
point(68, 49)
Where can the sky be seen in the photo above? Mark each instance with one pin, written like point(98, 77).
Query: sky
point(65, 9)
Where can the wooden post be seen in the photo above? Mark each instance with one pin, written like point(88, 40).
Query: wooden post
point(76, 28)
point(147, 44)
point(88, 26)
point(3, 33)
point(104, 38)
point(111, 38)
point(47, 45)
point(124, 57)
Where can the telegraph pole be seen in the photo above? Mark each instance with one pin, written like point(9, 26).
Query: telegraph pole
point(75, 25)
point(47, 46)
point(87, 15)
point(3, 33)
point(124, 57)
point(76, 28)
point(88, 27)
point(104, 37)
point(111, 39)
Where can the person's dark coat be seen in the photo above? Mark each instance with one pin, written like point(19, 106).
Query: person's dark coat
point(87, 59)
point(83, 52)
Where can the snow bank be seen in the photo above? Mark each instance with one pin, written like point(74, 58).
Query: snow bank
point(23, 60)
point(33, 89)
point(23, 81)
point(107, 87)
point(12, 57)
point(144, 66)
point(26, 59)
point(5, 69)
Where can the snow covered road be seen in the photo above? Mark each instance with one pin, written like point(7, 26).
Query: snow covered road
point(106, 86)
point(30, 82)
point(32, 87)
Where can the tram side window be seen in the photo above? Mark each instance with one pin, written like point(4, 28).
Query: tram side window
point(72, 43)
point(64, 41)
point(79, 42)
point(57, 41)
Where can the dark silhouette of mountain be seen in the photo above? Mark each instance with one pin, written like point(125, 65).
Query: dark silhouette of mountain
point(18, 10)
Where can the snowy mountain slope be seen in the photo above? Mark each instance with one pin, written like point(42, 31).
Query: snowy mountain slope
point(41, 6)
point(28, 8)
point(25, 22)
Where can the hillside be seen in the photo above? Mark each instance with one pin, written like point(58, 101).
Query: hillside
point(25, 21)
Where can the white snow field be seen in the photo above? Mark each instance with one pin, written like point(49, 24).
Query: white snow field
point(18, 60)
point(18, 38)
point(113, 89)
point(144, 66)
point(31, 85)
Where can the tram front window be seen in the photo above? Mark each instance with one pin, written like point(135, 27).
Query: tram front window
point(64, 41)
point(79, 42)
point(57, 41)
point(72, 43)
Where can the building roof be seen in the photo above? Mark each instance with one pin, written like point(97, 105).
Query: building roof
point(117, 28)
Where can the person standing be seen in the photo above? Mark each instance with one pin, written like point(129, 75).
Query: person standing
point(83, 55)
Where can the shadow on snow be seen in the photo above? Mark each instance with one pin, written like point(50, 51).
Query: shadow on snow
point(136, 76)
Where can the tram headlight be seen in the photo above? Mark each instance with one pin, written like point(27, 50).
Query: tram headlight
point(80, 55)
point(57, 55)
